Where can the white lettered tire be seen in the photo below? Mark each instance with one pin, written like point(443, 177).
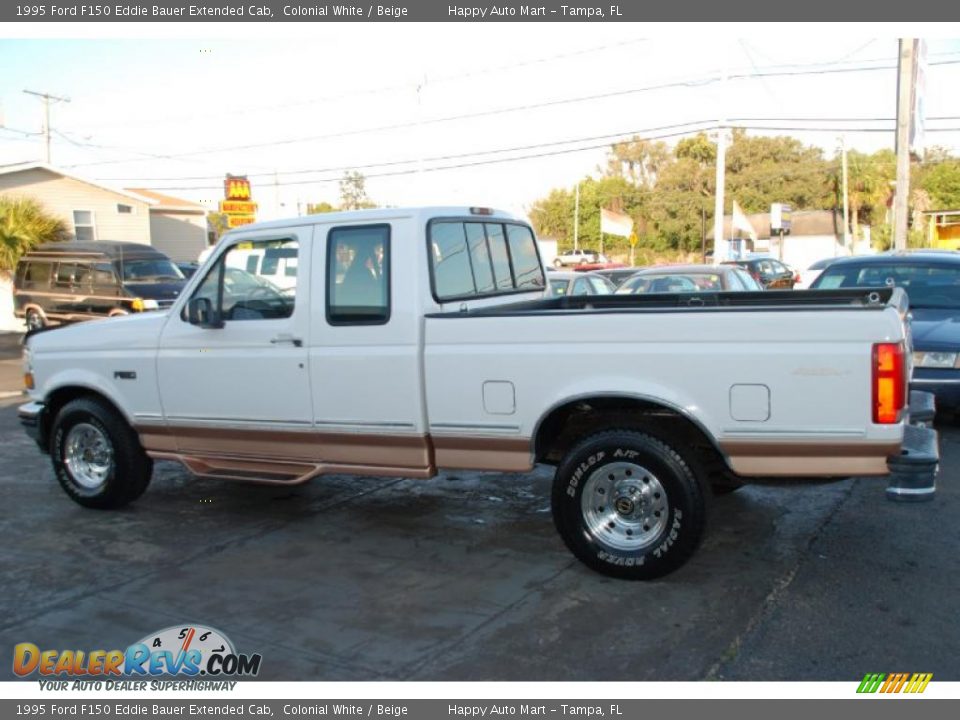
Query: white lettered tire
point(97, 457)
point(628, 505)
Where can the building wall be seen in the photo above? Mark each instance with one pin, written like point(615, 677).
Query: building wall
point(8, 322)
point(181, 236)
point(548, 250)
point(801, 251)
point(61, 196)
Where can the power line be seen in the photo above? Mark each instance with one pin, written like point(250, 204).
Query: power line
point(47, 97)
point(440, 168)
point(399, 86)
point(625, 136)
point(506, 110)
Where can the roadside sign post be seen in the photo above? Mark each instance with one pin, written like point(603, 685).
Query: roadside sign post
point(237, 204)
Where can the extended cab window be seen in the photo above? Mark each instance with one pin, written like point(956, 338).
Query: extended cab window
point(237, 294)
point(478, 259)
point(358, 275)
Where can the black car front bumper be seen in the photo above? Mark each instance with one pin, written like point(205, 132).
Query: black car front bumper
point(913, 473)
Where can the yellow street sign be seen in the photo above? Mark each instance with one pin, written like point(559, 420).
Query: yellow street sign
point(235, 221)
point(238, 207)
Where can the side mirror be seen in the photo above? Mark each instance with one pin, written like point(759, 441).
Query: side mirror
point(200, 312)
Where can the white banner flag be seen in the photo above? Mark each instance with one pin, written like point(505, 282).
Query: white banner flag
point(742, 222)
point(614, 223)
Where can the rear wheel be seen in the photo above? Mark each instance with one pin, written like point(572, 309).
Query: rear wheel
point(97, 457)
point(558, 263)
point(628, 505)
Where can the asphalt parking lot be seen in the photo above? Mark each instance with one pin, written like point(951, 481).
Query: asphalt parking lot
point(464, 578)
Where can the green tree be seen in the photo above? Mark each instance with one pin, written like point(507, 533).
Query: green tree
point(764, 170)
point(217, 224)
point(23, 224)
point(553, 216)
point(353, 192)
point(940, 178)
point(868, 187)
point(640, 161)
point(320, 207)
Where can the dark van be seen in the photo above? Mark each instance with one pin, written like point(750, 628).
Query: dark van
point(71, 281)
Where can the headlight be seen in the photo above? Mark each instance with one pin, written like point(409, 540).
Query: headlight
point(139, 305)
point(935, 359)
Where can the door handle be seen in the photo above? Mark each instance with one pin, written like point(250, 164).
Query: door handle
point(287, 338)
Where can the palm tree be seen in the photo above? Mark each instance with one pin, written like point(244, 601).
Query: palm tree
point(23, 224)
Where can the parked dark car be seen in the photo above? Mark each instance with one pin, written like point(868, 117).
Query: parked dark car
point(689, 278)
point(770, 273)
point(72, 281)
point(811, 273)
point(188, 268)
point(932, 282)
point(563, 283)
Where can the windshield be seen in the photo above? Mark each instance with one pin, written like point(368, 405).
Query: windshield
point(154, 270)
point(558, 287)
point(928, 286)
point(661, 284)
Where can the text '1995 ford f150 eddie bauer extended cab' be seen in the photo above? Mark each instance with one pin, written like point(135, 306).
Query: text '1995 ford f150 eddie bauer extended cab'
point(411, 341)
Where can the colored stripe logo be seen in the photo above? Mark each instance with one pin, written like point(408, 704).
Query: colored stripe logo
point(894, 683)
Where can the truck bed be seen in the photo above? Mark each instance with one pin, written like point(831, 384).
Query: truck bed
point(776, 300)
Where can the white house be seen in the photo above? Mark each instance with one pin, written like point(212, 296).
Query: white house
point(814, 235)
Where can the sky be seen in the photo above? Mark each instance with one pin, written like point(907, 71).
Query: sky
point(429, 112)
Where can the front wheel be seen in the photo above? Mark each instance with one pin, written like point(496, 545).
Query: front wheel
point(558, 263)
point(97, 457)
point(35, 320)
point(628, 505)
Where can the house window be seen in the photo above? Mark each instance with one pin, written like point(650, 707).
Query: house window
point(124, 209)
point(83, 226)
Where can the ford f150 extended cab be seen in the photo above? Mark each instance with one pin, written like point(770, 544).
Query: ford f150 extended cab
point(411, 341)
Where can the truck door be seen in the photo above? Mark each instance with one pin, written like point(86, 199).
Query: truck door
point(238, 383)
point(365, 354)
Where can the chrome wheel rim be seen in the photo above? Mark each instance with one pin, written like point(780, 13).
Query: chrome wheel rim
point(88, 455)
point(34, 321)
point(624, 506)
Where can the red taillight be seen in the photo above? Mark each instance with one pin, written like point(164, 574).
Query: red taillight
point(889, 383)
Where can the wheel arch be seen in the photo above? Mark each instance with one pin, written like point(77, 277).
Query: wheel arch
point(56, 399)
point(573, 418)
point(27, 307)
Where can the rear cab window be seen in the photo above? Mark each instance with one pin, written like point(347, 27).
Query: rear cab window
point(478, 259)
point(358, 275)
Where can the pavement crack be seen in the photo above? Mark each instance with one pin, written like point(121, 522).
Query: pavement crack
point(780, 586)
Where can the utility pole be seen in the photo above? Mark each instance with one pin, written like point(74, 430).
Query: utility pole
point(576, 220)
point(846, 196)
point(719, 241)
point(703, 235)
point(905, 95)
point(47, 97)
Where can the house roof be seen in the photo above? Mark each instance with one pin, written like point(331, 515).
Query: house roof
point(22, 167)
point(168, 202)
point(802, 222)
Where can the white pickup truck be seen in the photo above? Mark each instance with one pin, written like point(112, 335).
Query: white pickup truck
point(417, 340)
